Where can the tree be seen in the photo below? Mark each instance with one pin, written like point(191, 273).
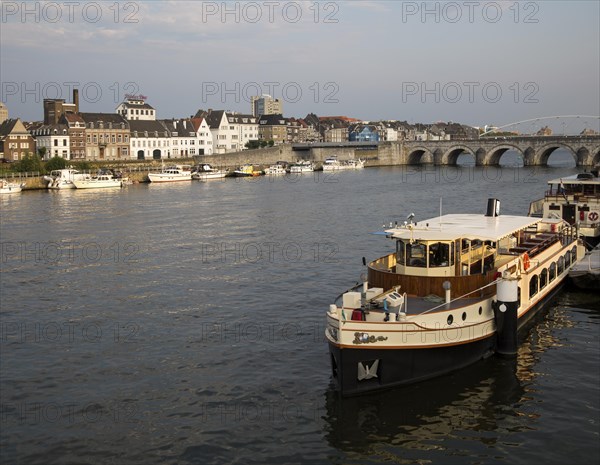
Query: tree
point(271, 143)
point(252, 144)
point(56, 163)
point(30, 162)
point(42, 152)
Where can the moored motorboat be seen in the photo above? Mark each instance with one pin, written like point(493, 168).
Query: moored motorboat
point(63, 179)
point(302, 166)
point(244, 171)
point(99, 181)
point(205, 172)
point(575, 199)
point(10, 187)
point(278, 168)
point(172, 174)
point(333, 164)
point(456, 290)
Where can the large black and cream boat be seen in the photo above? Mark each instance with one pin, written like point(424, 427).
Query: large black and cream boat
point(457, 289)
point(575, 199)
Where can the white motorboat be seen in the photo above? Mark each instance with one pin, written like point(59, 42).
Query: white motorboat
point(302, 166)
point(98, 181)
point(63, 179)
point(10, 187)
point(205, 172)
point(172, 174)
point(276, 169)
point(456, 289)
point(333, 164)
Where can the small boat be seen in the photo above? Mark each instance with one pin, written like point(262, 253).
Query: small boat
point(63, 179)
point(456, 289)
point(172, 174)
point(302, 166)
point(205, 171)
point(276, 169)
point(585, 274)
point(10, 187)
point(575, 199)
point(244, 171)
point(98, 181)
point(333, 164)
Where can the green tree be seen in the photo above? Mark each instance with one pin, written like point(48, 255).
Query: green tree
point(252, 144)
point(30, 162)
point(56, 163)
point(271, 143)
point(42, 152)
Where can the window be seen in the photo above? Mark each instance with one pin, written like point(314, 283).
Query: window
point(415, 255)
point(561, 265)
point(552, 272)
point(439, 254)
point(568, 259)
point(533, 286)
point(400, 253)
point(543, 278)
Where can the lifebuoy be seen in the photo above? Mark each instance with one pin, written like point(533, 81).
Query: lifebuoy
point(526, 261)
point(593, 216)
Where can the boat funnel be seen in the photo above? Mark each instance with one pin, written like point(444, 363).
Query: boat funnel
point(493, 207)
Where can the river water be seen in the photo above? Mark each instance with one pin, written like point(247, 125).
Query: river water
point(184, 324)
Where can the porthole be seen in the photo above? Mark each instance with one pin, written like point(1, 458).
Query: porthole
point(464, 316)
point(480, 310)
point(450, 319)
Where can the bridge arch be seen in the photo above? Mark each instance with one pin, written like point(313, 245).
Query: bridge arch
point(450, 156)
point(495, 154)
point(419, 155)
point(544, 152)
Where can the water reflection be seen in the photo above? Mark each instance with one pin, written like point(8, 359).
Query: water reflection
point(486, 405)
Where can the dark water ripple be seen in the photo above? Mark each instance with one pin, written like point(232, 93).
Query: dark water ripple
point(184, 324)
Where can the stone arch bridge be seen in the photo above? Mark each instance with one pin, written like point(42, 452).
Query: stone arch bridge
point(535, 150)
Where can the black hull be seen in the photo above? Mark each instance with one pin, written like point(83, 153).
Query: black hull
point(399, 367)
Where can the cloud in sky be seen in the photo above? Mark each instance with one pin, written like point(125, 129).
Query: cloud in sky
point(473, 62)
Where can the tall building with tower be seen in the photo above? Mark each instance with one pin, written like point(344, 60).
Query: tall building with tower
point(54, 108)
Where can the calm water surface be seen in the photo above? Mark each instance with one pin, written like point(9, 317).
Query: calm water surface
point(184, 324)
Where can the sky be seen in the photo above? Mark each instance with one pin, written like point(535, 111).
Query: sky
point(474, 62)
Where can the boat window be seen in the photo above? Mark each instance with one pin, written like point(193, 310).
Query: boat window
point(415, 254)
point(450, 319)
point(543, 278)
point(400, 253)
point(568, 259)
point(439, 254)
point(533, 286)
point(574, 254)
point(561, 265)
point(552, 272)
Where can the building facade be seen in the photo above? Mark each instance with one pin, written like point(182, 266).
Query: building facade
point(55, 139)
point(106, 136)
point(266, 105)
point(15, 140)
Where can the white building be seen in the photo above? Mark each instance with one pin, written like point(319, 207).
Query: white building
point(205, 138)
point(55, 139)
point(136, 108)
point(230, 131)
point(150, 140)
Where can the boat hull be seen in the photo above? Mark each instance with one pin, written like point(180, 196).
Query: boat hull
point(399, 367)
point(168, 178)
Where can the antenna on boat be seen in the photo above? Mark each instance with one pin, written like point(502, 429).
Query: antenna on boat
point(441, 213)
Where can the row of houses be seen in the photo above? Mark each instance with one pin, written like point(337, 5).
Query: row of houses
point(133, 131)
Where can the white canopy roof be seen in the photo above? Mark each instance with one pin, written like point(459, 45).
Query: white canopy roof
point(463, 226)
